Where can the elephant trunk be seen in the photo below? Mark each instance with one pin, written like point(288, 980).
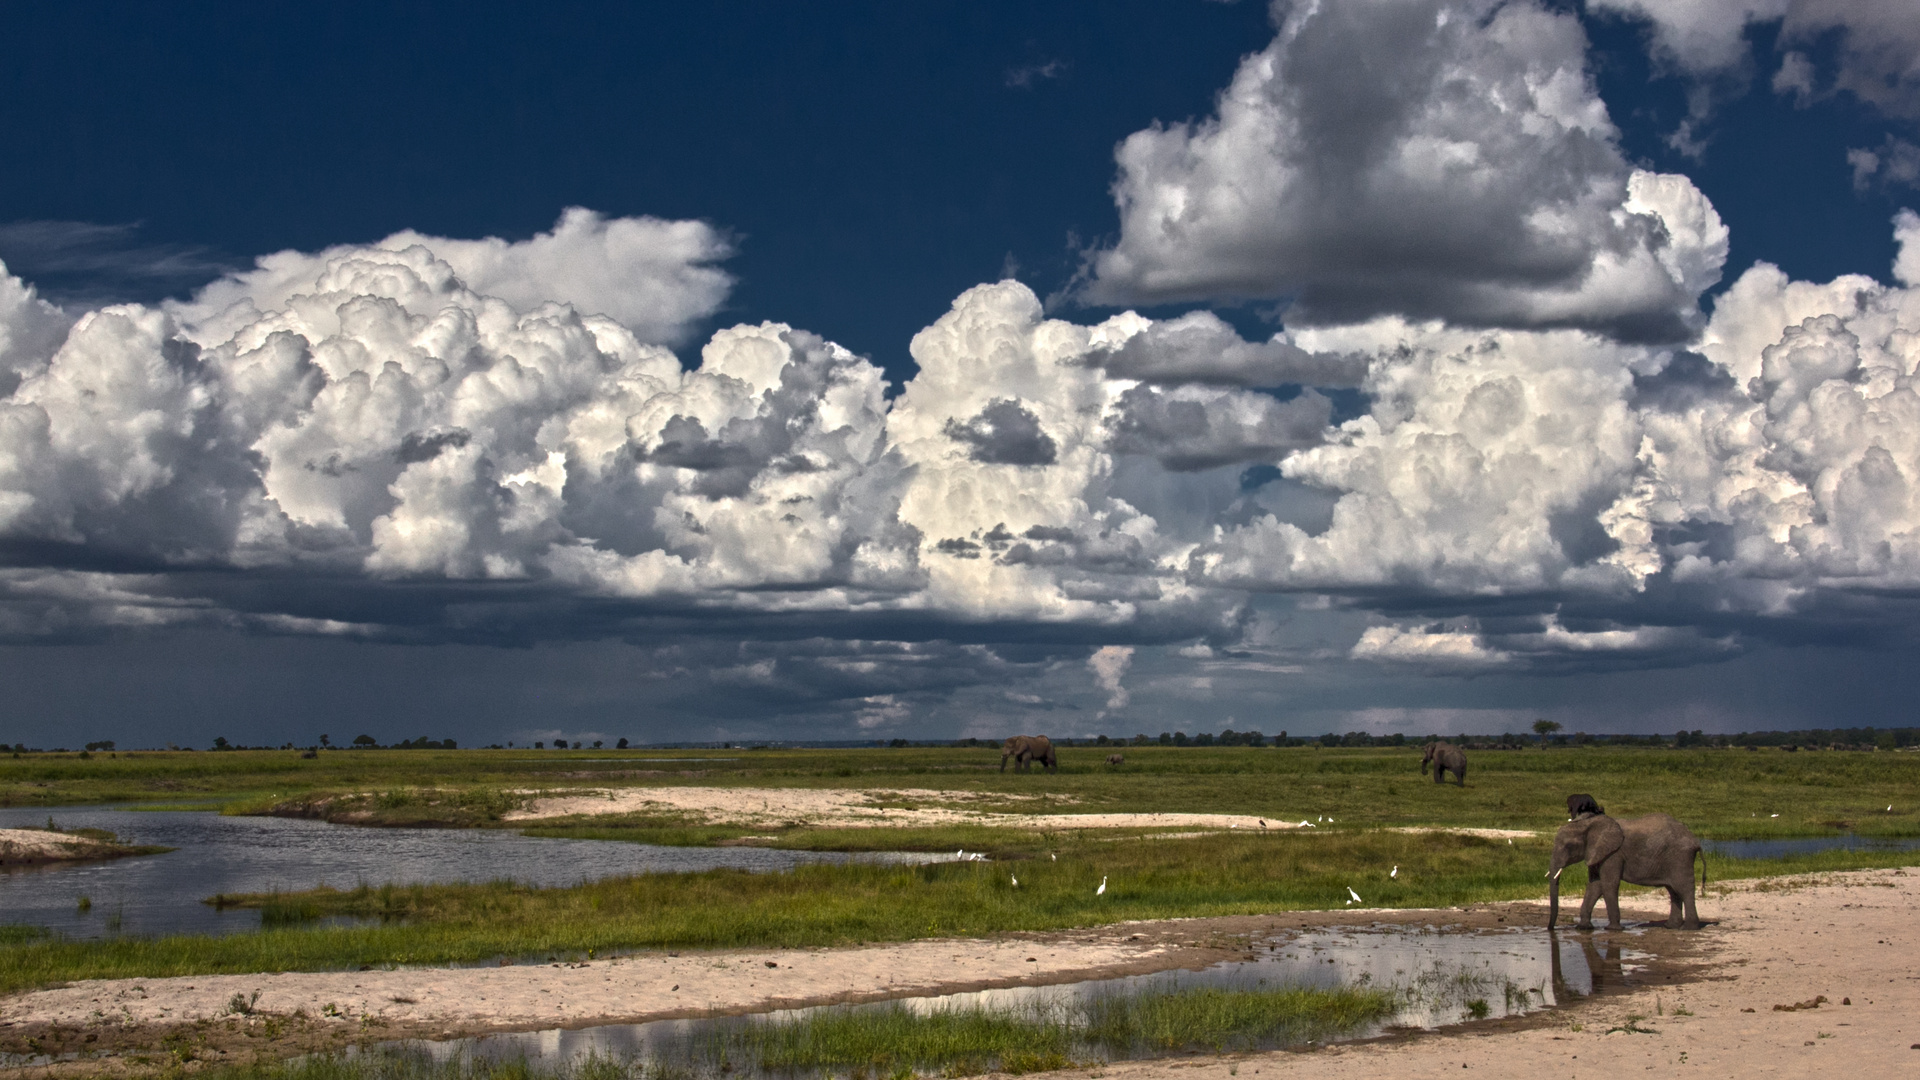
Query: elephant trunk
point(1423, 766)
point(1553, 893)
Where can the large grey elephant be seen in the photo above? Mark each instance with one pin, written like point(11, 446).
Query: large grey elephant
point(1444, 757)
point(1026, 749)
point(1651, 850)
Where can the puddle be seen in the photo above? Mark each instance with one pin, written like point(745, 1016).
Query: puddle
point(161, 894)
point(1807, 845)
point(1438, 978)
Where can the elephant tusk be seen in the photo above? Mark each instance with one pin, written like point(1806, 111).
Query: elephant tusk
point(1554, 875)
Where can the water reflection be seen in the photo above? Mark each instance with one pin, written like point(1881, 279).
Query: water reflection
point(1438, 977)
point(161, 894)
point(1807, 845)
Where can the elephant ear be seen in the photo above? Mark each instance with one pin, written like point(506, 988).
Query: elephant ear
point(1605, 838)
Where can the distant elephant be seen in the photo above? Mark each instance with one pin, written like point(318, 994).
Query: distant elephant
point(1027, 749)
point(1444, 757)
point(1651, 850)
point(1116, 759)
point(1581, 804)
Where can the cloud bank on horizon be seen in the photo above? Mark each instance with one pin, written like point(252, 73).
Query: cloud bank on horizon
point(1562, 464)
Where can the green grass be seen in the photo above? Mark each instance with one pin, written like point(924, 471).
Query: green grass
point(837, 905)
point(1720, 793)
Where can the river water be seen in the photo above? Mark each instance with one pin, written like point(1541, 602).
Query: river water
point(162, 894)
point(1440, 977)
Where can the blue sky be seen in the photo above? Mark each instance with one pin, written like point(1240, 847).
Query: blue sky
point(1378, 450)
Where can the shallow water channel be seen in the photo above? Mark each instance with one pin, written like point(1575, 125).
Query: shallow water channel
point(1438, 976)
point(1807, 845)
point(162, 894)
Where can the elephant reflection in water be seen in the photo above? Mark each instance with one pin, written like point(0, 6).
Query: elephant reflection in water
point(1600, 958)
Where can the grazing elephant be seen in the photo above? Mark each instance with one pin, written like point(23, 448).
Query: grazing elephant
point(1027, 749)
point(1116, 759)
point(1651, 850)
point(1444, 757)
point(1581, 804)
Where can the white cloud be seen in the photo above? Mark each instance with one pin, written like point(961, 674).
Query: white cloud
point(1876, 44)
point(1480, 182)
point(1109, 664)
point(657, 278)
point(1432, 647)
point(387, 436)
point(1698, 37)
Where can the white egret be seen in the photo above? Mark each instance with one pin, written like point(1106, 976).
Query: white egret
point(1396, 872)
point(1016, 881)
point(1355, 895)
point(1103, 886)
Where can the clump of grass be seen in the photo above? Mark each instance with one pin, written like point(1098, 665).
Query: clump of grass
point(16, 934)
point(1219, 1020)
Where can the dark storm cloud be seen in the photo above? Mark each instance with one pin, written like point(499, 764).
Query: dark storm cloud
point(1441, 159)
point(1205, 428)
point(1005, 433)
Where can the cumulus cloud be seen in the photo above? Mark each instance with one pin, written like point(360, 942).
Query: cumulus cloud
point(375, 449)
point(1439, 159)
point(657, 278)
point(392, 455)
point(1770, 475)
point(1109, 664)
point(1876, 45)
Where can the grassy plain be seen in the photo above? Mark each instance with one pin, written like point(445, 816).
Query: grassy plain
point(1722, 794)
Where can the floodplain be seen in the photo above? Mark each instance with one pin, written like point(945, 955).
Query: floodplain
point(1323, 826)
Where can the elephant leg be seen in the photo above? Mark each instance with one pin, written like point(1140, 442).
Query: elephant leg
point(1439, 774)
point(1673, 908)
point(1692, 918)
point(1610, 890)
point(1586, 904)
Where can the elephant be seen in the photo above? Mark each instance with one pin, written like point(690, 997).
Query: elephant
point(1651, 850)
point(1116, 759)
point(1027, 749)
point(1581, 804)
point(1444, 757)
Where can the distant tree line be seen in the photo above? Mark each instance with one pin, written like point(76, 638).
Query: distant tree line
point(1545, 734)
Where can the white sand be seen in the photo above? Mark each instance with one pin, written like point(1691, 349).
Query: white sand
point(553, 995)
point(1762, 954)
point(38, 845)
point(866, 808)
